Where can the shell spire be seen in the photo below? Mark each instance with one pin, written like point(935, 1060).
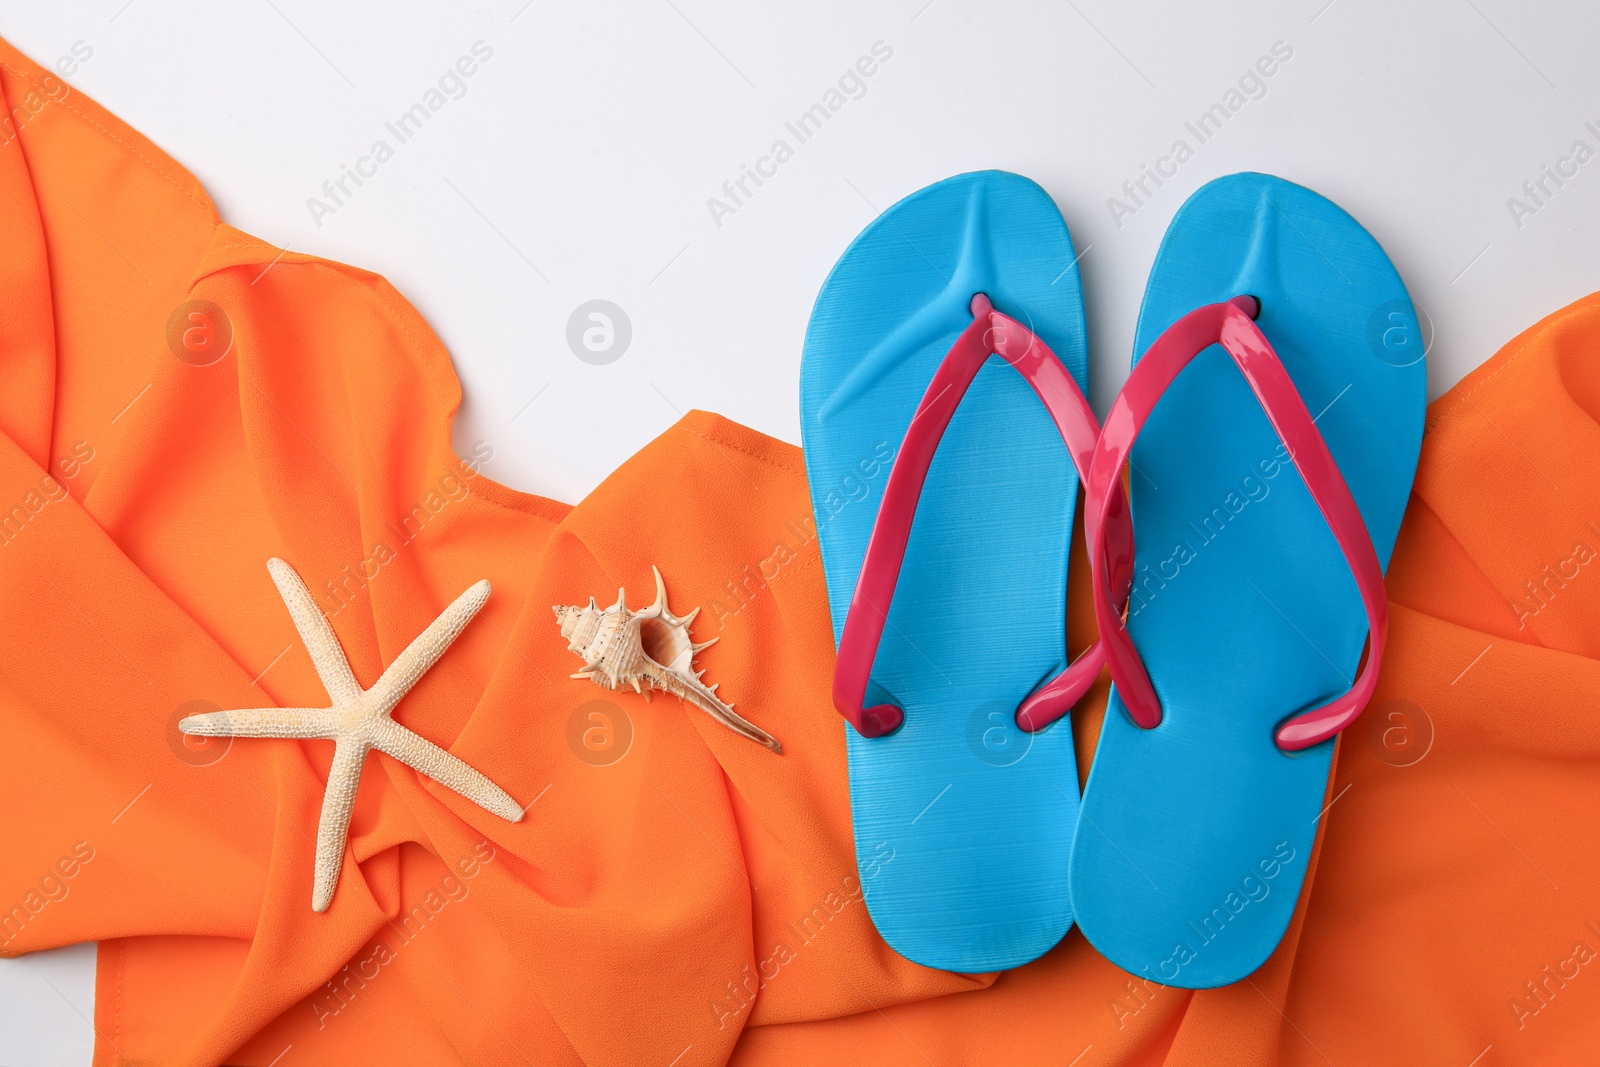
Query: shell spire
point(648, 649)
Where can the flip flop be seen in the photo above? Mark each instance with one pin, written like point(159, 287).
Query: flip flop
point(944, 502)
point(1267, 496)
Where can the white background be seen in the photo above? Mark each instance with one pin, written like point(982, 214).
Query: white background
point(579, 161)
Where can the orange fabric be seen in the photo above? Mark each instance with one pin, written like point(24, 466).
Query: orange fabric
point(682, 896)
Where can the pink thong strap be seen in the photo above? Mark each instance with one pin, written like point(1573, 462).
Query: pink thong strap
point(1001, 335)
point(1230, 324)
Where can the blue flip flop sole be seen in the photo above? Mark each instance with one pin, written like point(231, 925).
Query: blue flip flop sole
point(1195, 836)
point(962, 822)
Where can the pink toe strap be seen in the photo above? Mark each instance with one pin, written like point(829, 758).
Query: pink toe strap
point(999, 334)
point(1231, 325)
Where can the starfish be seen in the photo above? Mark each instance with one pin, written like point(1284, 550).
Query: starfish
point(359, 720)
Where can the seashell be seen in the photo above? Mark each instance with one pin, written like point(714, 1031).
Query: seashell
point(648, 649)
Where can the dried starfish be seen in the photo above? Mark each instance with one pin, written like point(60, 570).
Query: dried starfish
point(359, 720)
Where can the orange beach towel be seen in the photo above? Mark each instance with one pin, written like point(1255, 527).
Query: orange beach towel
point(179, 402)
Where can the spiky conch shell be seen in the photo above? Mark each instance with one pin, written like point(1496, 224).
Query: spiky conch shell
point(645, 650)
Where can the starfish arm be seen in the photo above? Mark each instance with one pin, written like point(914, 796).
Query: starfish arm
point(262, 722)
point(429, 645)
point(425, 757)
point(338, 802)
point(317, 633)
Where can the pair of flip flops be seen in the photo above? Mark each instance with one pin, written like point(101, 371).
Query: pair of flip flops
point(1272, 425)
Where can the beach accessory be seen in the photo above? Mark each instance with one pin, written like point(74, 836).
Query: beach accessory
point(942, 373)
point(648, 649)
point(1271, 474)
point(359, 720)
